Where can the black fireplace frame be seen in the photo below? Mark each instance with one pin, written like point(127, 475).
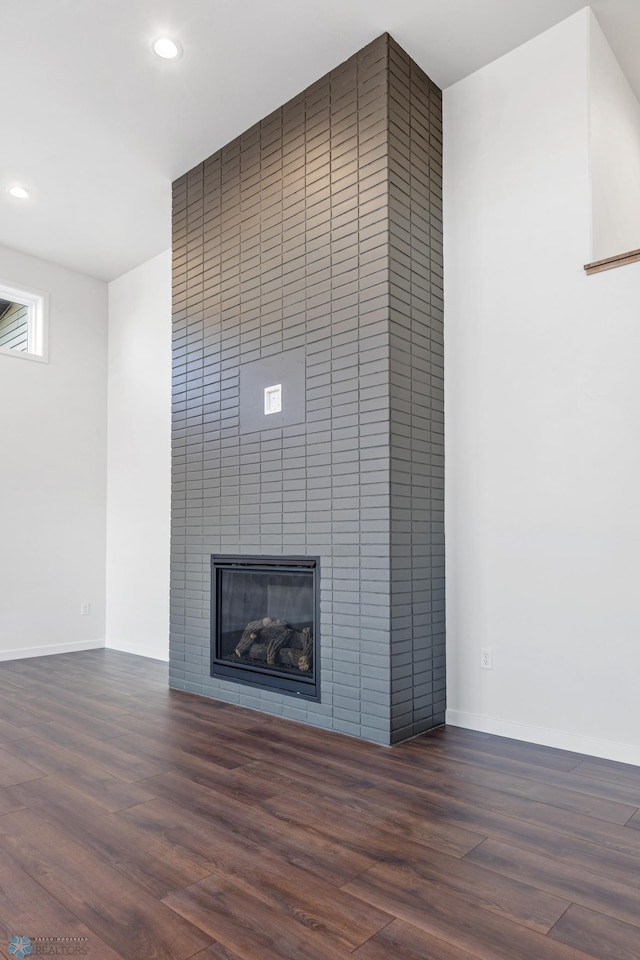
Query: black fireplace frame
point(266, 678)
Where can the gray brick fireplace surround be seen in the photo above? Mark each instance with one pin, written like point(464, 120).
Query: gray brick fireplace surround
point(311, 247)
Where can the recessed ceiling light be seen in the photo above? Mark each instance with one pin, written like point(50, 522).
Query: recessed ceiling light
point(166, 48)
point(19, 192)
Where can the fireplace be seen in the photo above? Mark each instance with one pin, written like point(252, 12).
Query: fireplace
point(308, 408)
point(264, 622)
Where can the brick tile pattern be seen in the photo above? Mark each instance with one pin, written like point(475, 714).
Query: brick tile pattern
point(296, 235)
point(416, 397)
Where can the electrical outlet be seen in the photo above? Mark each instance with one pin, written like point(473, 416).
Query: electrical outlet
point(85, 609)
point(486, 658)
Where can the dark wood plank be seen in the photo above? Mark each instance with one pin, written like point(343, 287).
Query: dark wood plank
point(513, 899)
point(332, 750)
point(278, 731)
point(9, 731)
point(561, 879)
point(100, 753)
point(178, 745)
point(576, 778)
point(14, 770)
point(151, 861)
point(607, 789)
point(240, 784)
point(8, 802)
point(370, 760)
point(619, 773)
point(29, 692)
point(253, 929)
point(216, 952)
point(579, 840)
point(92, 782)
point(322, 766)
point(122, 913)
point(289, 891)
point(174, 725)
point(26, 909)
point(466, 765)
point(364, 827)
point(25, 902)
point(80, 720)
point(284, 774)
point(598, 935)
point(187, 709)
point(458, 923)
point(209, 825)
point(487, 746)
point(406, 942)
point(428, 762)
point(633, 823)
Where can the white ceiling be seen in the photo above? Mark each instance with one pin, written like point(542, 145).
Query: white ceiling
point(97, 127)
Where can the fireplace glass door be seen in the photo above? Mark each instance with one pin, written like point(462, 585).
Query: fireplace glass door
point(264, 622)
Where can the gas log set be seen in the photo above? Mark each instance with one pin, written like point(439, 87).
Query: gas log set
point(276, 644)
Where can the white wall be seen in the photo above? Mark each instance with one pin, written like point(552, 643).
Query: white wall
point(139, 460)
point(615, 151)
point(52, 470)
point(542, 416)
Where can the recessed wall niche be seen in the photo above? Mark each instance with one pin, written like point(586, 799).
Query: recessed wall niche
point(260, 378)
point(308, 252)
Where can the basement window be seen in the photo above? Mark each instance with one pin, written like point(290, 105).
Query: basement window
point(23, 319)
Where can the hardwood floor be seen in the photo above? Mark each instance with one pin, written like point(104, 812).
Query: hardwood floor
point(159, 825)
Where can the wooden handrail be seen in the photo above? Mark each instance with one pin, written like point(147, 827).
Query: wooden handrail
point(621, 260)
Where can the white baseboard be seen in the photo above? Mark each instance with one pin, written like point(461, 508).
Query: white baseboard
point(140, 649)
point(592, 746)
point(51, 649)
